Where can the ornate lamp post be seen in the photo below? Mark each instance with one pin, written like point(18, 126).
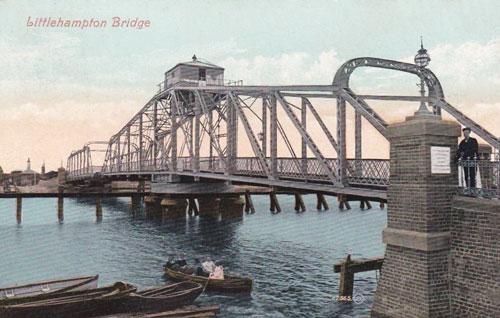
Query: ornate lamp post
point(422, 59)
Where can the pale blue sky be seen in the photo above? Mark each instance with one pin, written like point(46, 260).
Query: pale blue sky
point(94, 80)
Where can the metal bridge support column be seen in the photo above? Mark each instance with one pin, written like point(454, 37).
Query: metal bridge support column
point(173, 138)
point(274, 137)
point(154, 153)
point(140, 142)
point(264, 126)
point(357, 137)
point(197, 112)
point(304, 144)
point(211, 141)
point(415, 280)
point(128, 149)
point(119, 156)
point(232, 128)
point(341, 136)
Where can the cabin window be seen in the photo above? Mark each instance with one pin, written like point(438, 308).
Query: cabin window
point(202, 74)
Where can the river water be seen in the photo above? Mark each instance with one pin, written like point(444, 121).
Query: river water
point(289, 255)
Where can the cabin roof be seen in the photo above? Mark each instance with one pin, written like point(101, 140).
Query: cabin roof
point(197, 63)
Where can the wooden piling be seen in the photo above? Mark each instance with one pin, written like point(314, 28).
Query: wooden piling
point(299, 203)
point(275, 205)
point(98, 208)
point(346, 282)
point(321, 202)
point(134, 204)
point(348, 268)
point(382, 205)
point(19, 209)
point(368, 205)
point(362, 204)
point(249, 208)
point(193, 207)
point(60, 208)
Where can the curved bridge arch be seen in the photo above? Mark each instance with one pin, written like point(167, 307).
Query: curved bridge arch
point(343, 74)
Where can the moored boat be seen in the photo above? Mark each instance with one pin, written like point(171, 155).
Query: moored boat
point(49, 287)
point(76, 304)
point(167, 297)
point(230, 283)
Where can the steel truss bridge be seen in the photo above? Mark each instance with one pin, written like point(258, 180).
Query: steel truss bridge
point(196, 132)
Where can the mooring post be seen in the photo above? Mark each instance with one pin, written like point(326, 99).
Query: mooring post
point(346, 283)
point(19, 209)
point(98, 207)
point(60, 208)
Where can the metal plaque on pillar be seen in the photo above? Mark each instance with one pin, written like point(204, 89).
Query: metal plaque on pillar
point(440, 160)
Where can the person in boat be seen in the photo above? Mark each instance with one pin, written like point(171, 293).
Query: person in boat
point(218, 273)
point(199, 269)
point(208, 266)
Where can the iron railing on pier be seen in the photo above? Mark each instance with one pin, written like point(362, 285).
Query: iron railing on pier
point(479, 178)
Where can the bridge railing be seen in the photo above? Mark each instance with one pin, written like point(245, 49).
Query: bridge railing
point(485, 182)
point(373, 172)
point(368, 171)
point(87, 171)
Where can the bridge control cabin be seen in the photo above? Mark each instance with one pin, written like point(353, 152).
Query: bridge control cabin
point(194, 73)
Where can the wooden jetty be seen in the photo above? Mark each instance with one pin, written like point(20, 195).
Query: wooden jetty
point(349, 267)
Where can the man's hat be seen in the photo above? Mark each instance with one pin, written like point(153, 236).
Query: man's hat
point(466, 128)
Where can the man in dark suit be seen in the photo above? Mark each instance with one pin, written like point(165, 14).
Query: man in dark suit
point(467, 150)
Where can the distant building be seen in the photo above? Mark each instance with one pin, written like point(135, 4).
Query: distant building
point(42, 172)
point(24, 178)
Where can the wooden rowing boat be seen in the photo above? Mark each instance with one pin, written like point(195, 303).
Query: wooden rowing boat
point(76, 304)
point(230, 283)
point(49, 287)
point(167, 297)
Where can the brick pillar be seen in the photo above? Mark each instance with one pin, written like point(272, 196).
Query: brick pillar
point(209, 207)
point(232, 207)
point(414, 280)
point(173, 208)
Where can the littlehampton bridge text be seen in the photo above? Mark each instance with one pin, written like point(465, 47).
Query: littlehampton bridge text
point(115, 22)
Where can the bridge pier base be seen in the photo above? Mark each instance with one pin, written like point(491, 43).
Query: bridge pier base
point(173, 209)
point(299, 203)
point(134, 204)
point(231, 207)
point(209, 207)
point(193, 207)
point(152, 206)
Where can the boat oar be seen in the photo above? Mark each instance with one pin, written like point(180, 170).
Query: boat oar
point(206, 284)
